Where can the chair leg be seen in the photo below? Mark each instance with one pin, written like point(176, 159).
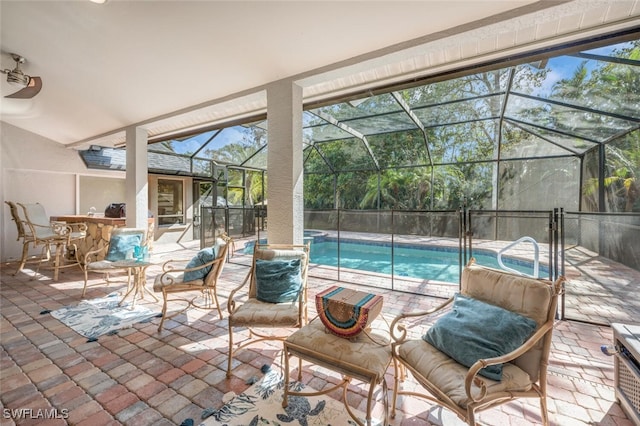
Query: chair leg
point(214, 296)
point(385, 402)
point(164, 309)
point(372, 386)
point(471, 419)
point(23, 260)
point(285, 389)
point(58, 260)
point(210, 300)
point(543, 410)
point(230, 350)
point(397, 376)
point(48, 251)
point(86, 278)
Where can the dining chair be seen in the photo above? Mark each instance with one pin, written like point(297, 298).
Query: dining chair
point(40, 231)
point(23, 235)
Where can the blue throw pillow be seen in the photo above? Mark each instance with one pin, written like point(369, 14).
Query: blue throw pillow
point(475, 330)
point(121, 244)
point(204, 256)
point(278, 281)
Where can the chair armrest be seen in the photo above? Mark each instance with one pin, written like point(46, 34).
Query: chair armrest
point(78, 227)
point(50, 236)
point(59, 228)
point(95, 253)
point(231, 302)
point(472, 375)
point(174, 266)
point(398, 331)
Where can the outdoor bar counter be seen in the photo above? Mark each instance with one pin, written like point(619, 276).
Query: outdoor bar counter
point(99, 230)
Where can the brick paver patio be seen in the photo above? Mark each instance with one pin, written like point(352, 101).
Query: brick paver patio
point(141, 377)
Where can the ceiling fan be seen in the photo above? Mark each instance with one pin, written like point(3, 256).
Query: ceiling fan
point(30, 85)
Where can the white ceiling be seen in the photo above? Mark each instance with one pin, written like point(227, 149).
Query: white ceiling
point(172, 65)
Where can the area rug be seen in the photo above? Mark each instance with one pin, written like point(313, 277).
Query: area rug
point(96, 317)
point(261, 404)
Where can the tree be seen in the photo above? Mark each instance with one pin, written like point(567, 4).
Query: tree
point(611, 87)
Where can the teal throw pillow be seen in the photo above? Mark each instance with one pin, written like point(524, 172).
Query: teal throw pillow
point(278, 281)
point(475, 330)
point(121, 244)
point(203, 257)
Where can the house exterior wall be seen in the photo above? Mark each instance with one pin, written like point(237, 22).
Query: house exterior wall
point(36, 169)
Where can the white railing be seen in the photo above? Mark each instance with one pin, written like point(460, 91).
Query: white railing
point(536, 260)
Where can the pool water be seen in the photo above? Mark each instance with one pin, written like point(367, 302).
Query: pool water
point(424, 262)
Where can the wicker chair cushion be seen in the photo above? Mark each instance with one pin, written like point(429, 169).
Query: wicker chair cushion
point(163, 280)
point(101, 265)
point(256, 313)
point(449, 376)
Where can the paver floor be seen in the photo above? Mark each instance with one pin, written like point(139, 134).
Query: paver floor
point(140, 376)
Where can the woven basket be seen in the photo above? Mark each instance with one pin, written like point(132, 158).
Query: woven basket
point(347, 313)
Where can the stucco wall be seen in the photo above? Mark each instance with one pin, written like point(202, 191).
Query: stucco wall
point(36, 169)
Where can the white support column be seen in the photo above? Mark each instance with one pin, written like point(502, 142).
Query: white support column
point(136, 186)
point(284, 163)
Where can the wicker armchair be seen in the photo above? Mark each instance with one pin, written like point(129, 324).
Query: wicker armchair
point(199, 276)
point(107, 259)
point(486, 381)
point(259, 302)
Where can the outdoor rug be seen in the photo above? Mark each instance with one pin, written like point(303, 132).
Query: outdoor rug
point(96, 317)
point(261, 404)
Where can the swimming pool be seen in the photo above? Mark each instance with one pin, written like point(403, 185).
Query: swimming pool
point(427, 262)
point(423, 262)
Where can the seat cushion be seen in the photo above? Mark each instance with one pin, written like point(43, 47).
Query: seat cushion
point(278, 281)
point(263, 314)
point(446, 374)
point(475, 330)
point(164, 280)
point(365, 357)
point(102, 265)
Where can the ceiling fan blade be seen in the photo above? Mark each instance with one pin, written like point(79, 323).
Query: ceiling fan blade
point(32, 89)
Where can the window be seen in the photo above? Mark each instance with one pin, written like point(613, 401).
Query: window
point(170, 202)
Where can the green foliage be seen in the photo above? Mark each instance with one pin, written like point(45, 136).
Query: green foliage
point(612, 87)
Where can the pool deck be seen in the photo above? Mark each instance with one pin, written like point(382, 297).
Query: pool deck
point(141, 377)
